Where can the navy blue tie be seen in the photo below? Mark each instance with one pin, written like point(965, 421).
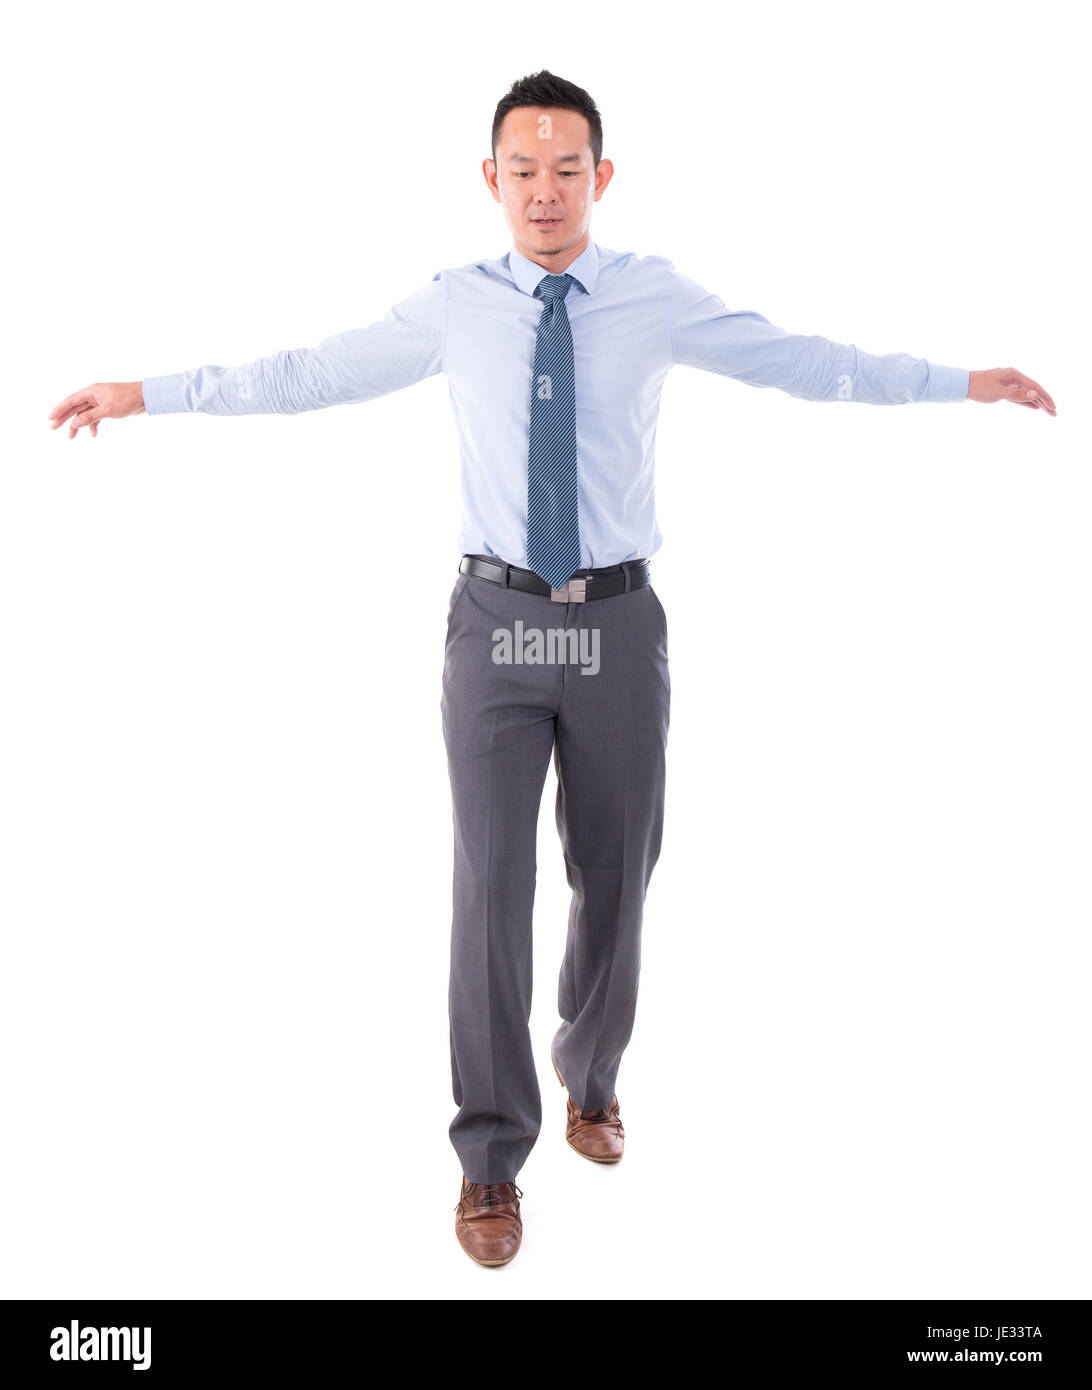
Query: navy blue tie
point(553, 520)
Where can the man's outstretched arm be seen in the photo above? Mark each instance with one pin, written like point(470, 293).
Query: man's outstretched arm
point(744, 345)
point(403, 347)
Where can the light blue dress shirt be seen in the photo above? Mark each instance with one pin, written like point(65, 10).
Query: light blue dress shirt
point(633, 318)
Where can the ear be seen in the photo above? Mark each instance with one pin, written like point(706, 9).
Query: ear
point(603, 176)
point(489, 170)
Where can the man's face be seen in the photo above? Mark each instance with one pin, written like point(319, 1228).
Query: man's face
point(546, 182)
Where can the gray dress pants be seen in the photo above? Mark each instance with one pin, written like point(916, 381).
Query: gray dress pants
point(597, 698)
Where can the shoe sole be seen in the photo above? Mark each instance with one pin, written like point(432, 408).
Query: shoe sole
point(489, 1264)
point(589, 1157)
point(569, 1141)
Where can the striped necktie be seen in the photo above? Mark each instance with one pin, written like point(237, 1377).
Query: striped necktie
point(553, 522)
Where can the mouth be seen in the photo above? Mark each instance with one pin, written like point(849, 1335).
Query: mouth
point(545, 222)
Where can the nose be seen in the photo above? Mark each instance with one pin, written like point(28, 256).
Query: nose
point(544, 188)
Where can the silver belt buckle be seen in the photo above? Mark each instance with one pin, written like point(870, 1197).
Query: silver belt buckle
point(573, 591)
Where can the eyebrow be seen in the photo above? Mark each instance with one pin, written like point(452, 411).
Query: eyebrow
point(527, 159)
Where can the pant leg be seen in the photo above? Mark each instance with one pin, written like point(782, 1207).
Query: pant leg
point(611, 763)
point(499, 729)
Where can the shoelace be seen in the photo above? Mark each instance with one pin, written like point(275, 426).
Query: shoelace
point(490, 1196)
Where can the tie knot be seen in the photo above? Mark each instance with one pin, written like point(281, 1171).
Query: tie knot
point(553, 287)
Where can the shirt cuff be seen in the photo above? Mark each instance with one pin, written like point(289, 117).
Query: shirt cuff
point(163, 394)
point(947, 383)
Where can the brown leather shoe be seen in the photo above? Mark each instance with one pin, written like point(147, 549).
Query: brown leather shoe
point(488, 1222)
point(594, 1134)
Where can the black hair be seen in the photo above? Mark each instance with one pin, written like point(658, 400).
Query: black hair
point(544, 89)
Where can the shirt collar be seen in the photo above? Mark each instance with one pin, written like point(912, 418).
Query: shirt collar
point(584, 270)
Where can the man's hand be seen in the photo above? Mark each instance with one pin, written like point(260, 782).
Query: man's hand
point(1007, 384)
point(109, 400)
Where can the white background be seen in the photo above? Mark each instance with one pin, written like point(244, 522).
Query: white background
point(862, 1048)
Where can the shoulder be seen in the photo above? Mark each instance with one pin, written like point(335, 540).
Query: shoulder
point(634, 271)
point(631, 261)
point(479, 272)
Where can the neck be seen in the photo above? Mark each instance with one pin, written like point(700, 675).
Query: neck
point(556, 262)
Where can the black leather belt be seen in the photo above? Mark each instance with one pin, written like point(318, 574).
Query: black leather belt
point(585, 584)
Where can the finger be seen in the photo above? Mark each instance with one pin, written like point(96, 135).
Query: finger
point(68, 407)
point(1016, 392)
point(94, 429)
point(1032, 390)
point(1035, 399)
point(85, 417)
point(78, 401)
point(1043, 395)
point(65, 405)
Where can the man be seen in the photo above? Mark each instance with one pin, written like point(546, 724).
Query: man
point(555, 356)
